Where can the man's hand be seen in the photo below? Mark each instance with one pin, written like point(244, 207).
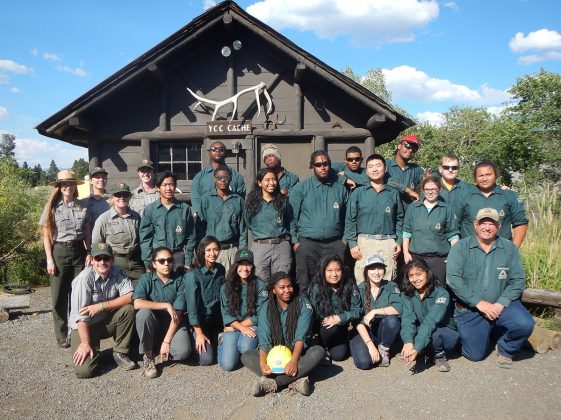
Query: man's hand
point(83, 351)
point(331, 321)
point(291, 368)
point(90, 310)
point(356, 254)
point(397, 251)
point(491, 311)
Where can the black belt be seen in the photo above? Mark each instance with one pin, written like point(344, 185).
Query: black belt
point(323, 241)
point(227, 246)
point(71, 244)
point(272, 241)
point(460, 305)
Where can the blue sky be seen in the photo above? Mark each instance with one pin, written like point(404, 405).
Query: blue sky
point(434, 54)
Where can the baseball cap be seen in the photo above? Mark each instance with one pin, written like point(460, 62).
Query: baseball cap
point(97, 170)
point(243, 255)
point(101, 248)
point(412, 139)
point(120, 187)
point(145, 163)
point(374, 260)
point(487, 213)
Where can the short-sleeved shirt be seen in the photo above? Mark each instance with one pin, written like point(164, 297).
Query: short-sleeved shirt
point(496, 277)
point(269, 222)
point(150, 287)
point(202, 292)
point(203, 182)
point(89, 288)
point(303, 325)
point(96, 207)
point(224, 218)
point(69, 220)
point(402, 178)
point(121, 232)
point(288, 180)
point(420, 317)
point(347, 316)
point(242, 314)
point(388, 295)
point(140, 198)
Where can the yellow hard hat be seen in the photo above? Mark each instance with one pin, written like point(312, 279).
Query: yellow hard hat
point(278, 357)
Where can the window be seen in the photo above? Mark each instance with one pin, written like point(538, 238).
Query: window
point(184, 160)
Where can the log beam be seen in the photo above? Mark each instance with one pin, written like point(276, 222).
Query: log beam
point(542, 297)
point(375, 121)
point(82, 124)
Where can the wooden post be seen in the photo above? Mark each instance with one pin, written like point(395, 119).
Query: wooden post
point(542, 297)
point(539, 340)
point(145, 149)
point(93, 152)
point(319, 143)
point(369, 145)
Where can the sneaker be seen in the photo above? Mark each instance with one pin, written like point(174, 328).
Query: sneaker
point(302, 386)
point(503, 361)
point(264, 386)
point(149, 364)
point(123, 360)
point(63, 343)
point(326, 360)
point(384, 356)
point(441, 363)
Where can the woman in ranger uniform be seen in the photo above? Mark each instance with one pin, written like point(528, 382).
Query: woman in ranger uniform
point(241, 297)
point(64, 236)
point(426, 317)
point(381, 324)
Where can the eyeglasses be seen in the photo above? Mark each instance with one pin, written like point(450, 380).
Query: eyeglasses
point(354, 159)
point(321, 164)
point(217, 149)
point(410, 145)
point(103, 258)
point(450, 167)
point(164, 260)
point(431, 190)
point(223, 178)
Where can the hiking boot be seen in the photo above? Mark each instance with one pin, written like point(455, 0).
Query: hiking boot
point(123, 360)
point(503, 361)
point(384, 356)
point(441, 362)
point(149, 364)
point(264, 386)
point(302, 386)
point(63, 343)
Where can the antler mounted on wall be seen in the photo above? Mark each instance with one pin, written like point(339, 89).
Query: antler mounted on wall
point(234, 100)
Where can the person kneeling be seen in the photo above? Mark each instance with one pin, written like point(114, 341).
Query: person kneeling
point(101, 308)
point(285, 319)
point(159, 298)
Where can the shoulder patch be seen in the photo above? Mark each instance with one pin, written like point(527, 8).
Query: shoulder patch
point(308, 306)
point(441, 300)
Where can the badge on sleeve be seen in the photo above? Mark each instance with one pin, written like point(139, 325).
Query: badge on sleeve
point(441, 300)
point(336, 205)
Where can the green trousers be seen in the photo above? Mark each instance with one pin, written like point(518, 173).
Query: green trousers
point(118, 324)
point(133, 269)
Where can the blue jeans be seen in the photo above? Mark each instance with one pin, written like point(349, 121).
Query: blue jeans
point(231, 344)
point(514, 326)
point(385, 332)
point(444, 338)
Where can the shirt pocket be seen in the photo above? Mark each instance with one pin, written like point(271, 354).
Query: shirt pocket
point(180, 230)
point(63, 222)
point(97, 296)
point(116, 232)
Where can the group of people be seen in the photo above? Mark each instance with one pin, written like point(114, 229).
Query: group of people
point(349, 261)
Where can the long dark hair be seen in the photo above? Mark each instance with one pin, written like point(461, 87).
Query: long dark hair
point(367, 286)
point(200, 254)
point(233, 290)
point(273, 312)
point(321, 290)
point(408, 288)
point(253, 200)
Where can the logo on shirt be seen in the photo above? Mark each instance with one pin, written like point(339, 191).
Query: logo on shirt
point(264, 293)
point(437, 227)
point(388, 210)
point(502, 213)
point(308, 306)
point(234, 218)
point(178, 229)
point(336, 205)
point(397, 290)
point(503, 273)
point(279, 220)
point(441, 300)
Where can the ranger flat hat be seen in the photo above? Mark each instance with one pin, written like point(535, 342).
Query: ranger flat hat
point(487, 213)
point(101, 248)
point(374, 260)
point(65, 175)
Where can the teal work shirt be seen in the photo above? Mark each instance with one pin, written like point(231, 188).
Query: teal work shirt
point(420, 317)
point(344, 173)
point(288, 180)
point(401, 179)
point(272, 223)
point(496, 277)
point(430, 231)
point(150, 287)
point(319, 208)
point(303, 325)
point(202, 291)
point(388, 295)
point(224, 218)
point(242, 315)
point(455, 196)
point(506, 202)
point(373, 213)
point(121, 232)
point(348, 316)
point(203, 183)
point(173, 228)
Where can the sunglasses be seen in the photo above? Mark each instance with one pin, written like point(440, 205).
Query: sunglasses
point(410, 145)
point(223, 178)
point(103, 258)
point(217, 149)
point(354, 159)
point(121, 195)
point(321, 164)
point(164, 260)
point(450, 167)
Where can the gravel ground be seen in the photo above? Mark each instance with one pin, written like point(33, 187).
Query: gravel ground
point(37, 381)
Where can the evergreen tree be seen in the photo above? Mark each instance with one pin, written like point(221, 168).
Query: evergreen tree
point(52, 171)
point(7, 146)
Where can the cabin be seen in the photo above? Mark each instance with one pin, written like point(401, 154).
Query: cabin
point(225, 76)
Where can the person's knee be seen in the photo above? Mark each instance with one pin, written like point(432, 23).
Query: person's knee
point(474, 353)
point(143, 315)
point(128, 311)
point(524, 326)
point(228, 362)
point(362, 363)
point(206, 358)
point(182, 353)
point(392, 322)
point(85, 371)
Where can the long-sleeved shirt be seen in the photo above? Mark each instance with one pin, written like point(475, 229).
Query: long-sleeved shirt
point(388, 295)
point(203, 182)
point(121, 232)
point(224, 218)
point(202, 292)
point(241, 315)
point(351, 314)
point(272, 223)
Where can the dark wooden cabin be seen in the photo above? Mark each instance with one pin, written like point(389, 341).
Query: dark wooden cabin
point(144, 111)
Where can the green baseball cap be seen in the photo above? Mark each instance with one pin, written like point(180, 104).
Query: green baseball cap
point(101, 248)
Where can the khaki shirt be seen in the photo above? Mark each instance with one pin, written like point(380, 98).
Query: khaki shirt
point(121, 232)
point(69, 220)
point(141, 198)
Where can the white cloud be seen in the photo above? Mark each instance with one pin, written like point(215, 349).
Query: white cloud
point(3, 111)
point(496, 110)
point(452, 5)
point(51, 57)
point(15, 89)
point(433, 118)
point(76, 71)
point(10, 66)
point(365, 22)
point(208, 4)
point(406, 82)
point(34, 52)
point(543, 39)
point(36, 151)
point(536, 58)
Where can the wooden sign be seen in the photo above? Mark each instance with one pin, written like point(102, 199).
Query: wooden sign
point(234, 128)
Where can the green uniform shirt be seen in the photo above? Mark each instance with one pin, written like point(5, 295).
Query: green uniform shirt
point(141, 198)
point(242, 315)
point(430, 231)
point(224, 218)
point(456, 196)
point(202, 290)
point(151, 288)
point(69, 221)
point(173, 228)
point(353, 305)
point(319, 208)
point(388, 295)
point(496, 277)
point(303, 325)
point(96, 207)
point(272, 223)
point(288, 180)
point(506, 202)
point(373, 213)
point(203, 183)
point(408, 177)
point(121, 232)
point(420, 317)
point(344, 173)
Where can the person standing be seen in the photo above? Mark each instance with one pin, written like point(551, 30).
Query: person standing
point(65, 236)
point(485, 273)
point(319, 204)
point(452, 189)
point(146, 192)
point(98, 202)
point(350, 172)
point(168, 223)
point(272, 160)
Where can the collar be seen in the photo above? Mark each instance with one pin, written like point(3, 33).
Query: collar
point(474, 243)
point(317, 183)
point(113, 213)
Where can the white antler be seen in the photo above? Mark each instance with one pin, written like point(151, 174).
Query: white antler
point(234, 100)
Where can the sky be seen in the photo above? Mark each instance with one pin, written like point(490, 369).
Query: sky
point(434, 54)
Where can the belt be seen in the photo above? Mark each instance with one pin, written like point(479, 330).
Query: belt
point(70, 244)
point(272, 241)
point(460, 305)
point(180, 249)
point(323, 241)
point(227, 246)
point(378, 237)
